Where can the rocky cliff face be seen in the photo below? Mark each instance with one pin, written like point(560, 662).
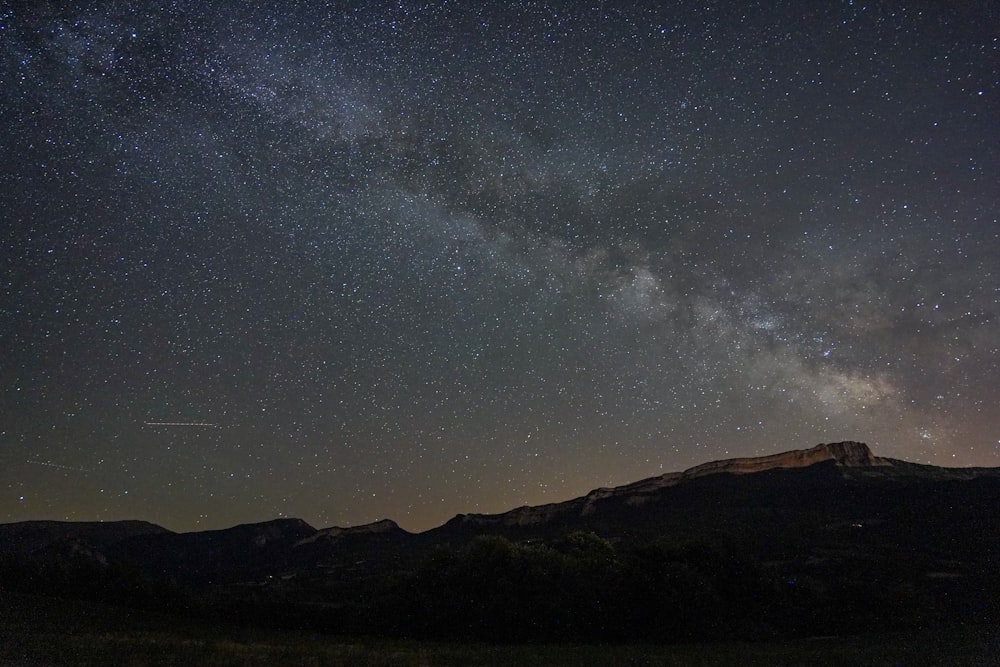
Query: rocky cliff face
point(526, 515)
point(383, 526)
point(849, 454)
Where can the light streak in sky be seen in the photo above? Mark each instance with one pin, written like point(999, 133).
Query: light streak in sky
point(49, 464)
point(179, 424)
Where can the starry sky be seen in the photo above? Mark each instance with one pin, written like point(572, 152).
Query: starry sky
point(352, 260)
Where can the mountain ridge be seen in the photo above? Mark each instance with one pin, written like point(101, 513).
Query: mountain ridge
point(826, 537)
point(846, 454)
point(850, 457)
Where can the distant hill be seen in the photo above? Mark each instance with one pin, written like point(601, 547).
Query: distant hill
point(818, 540)
point(27, 537)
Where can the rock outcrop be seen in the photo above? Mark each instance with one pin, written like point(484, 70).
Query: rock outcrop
point(381, 527)
point(849, 454)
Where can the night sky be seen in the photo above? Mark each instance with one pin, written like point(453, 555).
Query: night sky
point(411, 259)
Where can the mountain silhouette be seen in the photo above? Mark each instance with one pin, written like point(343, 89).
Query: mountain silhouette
point(829, 537)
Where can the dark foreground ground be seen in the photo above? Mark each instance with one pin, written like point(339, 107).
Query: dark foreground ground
point(45, 631)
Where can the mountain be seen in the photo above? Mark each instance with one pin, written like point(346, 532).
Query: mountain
point(26, 537)
point(252, 549)
point(241, 553)
point(819, 540)
point(336, 534)
point(841, 454)
point(848, 454)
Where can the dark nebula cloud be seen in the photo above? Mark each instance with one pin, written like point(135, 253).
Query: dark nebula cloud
point(411, 259)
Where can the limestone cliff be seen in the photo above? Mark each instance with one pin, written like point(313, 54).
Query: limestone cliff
point(846, 454)
point(849, 454)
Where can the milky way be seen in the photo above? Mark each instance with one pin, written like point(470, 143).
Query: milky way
point(406, 260)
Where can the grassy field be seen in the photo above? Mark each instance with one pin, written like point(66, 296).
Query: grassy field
point(42, 631)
